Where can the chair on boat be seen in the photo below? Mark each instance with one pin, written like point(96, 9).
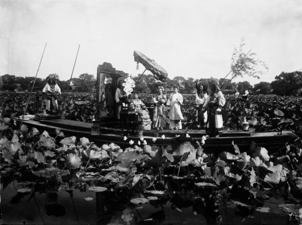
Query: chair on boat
point(129, 118)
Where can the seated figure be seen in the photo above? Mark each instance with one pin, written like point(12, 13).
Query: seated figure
point(51, 92)
point(139, 107)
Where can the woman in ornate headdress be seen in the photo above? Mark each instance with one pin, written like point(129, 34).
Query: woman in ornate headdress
point(159, 118)
point(51, 91)
point(200, 101)
point(214, 104)
point(175, 114)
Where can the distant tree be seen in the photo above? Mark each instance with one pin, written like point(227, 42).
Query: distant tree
point(141, 84)
point(226, 84)
point(287, 83)
point(262, 88)
point(189, 85)
point(242, 86)
point(9, 83)
point(86, 83)
point(1, 83)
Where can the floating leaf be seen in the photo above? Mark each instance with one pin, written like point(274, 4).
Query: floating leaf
point(48, 143)
point(263, 209)
point(253, 177)
point(204, 184)
point(155, 192)
point(68, 140)
point(14, 147)
point(39, 157)
point(262, 152)
point(152, 198)
point(274, 177)
point(279, 113)
point(24, 190)
point(139, 201)
point(236, 148)
point(97, 189)
point(3, 127)
point(49, 153)
point(24, 128)
point(84, 142)
point(7, 156)
point(168, 155)
point(74, 161)
point(4, 141)
point(22, 160)
point(88, 198)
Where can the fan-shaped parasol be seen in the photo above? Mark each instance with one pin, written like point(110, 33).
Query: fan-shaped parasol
point(158, 72)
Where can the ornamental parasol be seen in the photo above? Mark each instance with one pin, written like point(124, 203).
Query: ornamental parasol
point(158, 72)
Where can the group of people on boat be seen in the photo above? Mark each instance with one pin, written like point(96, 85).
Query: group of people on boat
point(167, 113)
point(209, 101)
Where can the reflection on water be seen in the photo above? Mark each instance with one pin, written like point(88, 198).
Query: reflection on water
point(114, 208)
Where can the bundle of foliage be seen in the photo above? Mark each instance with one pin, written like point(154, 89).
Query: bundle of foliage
point(186, 176)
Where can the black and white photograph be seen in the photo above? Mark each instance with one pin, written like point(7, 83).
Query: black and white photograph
point(150, 112)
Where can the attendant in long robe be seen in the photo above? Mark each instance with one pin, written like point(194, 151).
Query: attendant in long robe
point(120, 98)
point(159, 117)
point(214, 104)
point(109, 97)
point(175, 114)
point(200, 101)
point(51, 91)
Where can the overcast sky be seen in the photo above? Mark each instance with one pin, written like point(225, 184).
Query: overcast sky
point(188, 38)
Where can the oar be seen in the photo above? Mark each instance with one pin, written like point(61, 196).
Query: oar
point(33, 85)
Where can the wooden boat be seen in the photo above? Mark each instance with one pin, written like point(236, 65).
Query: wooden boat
point(111, 133)
point(107, 129)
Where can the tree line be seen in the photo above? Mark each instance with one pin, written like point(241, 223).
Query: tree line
point(284, 84)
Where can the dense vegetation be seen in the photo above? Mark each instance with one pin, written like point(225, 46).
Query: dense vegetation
point(186, 176)
point(284, 84)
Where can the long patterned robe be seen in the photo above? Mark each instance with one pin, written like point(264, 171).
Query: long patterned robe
point(159, 117)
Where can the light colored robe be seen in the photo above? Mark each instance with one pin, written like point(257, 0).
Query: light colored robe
point(55, 89)
point(175, 113)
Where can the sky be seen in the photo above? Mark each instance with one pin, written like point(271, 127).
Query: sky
point(192, 38)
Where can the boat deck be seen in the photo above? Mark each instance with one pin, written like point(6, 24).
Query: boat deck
point(273, 141)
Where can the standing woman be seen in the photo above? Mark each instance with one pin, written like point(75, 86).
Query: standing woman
point(200, 101)
point(159, 118)
point(51, 91)
point(109, 97)
point(175, 114)
point(214, 104)
point(120, 98)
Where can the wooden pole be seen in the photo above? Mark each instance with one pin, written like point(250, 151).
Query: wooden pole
point(141, 76)
point(231, 71)
point(33, 83)
point(74, 64)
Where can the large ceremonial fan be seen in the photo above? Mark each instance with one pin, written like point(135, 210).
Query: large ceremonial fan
point(159, 72)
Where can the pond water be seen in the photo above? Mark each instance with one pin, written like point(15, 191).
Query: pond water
point(107, 208)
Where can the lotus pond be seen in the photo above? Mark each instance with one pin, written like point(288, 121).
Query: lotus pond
point(64, 180)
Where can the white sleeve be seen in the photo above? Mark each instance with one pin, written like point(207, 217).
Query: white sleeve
point(117, 95)
point(58, 89)
point(46, 88)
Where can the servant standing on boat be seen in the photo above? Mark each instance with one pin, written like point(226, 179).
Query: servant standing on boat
point(175, 114)
point(200, 101)
point(120, 98)
point(108, 96)
point(159, 118)
point(51, 92)
point(214, 104)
